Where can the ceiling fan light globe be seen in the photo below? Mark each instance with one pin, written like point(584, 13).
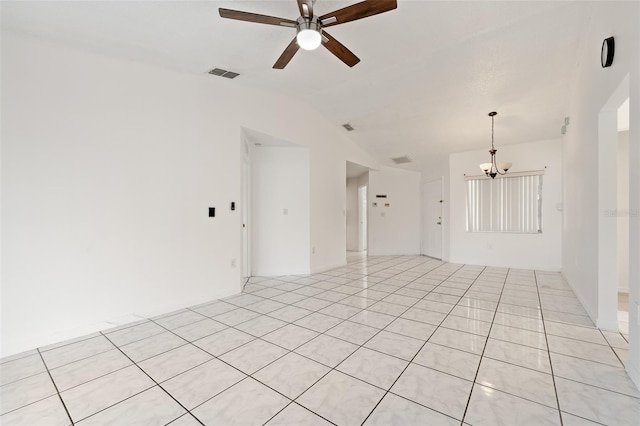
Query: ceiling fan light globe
point(309, 39)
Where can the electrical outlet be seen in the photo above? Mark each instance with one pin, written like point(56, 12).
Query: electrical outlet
point(233, 263)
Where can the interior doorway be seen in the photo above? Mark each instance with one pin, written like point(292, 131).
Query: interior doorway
point(356, 212)
point(432, 219)
point(362, 217)
point(623, 217)
point(275, 211)
point(613, 218)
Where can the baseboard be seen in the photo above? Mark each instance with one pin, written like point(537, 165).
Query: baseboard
point(370, 253)
point(592, 315)
point(608, 325)
point(326, 268)
point(497, 264)
point(50, 338)
point(634, 374)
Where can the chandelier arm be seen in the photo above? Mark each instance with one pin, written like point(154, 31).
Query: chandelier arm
point(495, 164)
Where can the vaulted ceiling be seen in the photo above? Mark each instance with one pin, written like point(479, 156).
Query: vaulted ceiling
point(430, 71)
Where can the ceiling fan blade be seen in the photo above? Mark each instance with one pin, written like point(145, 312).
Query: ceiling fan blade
point(338, 49)
point(287, 55)
point(309, 8)
point(358, 11)
point(254, 17)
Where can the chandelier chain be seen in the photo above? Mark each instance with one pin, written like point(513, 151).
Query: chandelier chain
point(492, 117)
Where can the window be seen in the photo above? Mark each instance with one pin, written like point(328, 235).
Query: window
point(507, 204)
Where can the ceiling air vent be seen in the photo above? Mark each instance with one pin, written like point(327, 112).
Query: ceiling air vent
point(349, 127)
point(223, 73)
point(401, 160)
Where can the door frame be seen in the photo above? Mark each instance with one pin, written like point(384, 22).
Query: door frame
point(245, 220)
point(607, 315)
point(363, 231)
point(424, 217)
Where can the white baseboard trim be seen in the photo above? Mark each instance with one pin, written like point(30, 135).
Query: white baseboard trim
point(392, 254)
point(326, 268)
point(608, 326)
point(592, 315)
point(634, 374)
point(118, 320)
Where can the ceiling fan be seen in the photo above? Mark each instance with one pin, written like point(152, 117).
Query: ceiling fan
point(310, 32)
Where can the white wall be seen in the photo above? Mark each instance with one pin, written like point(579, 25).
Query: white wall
point(623, 211)
point(530, 251)
point(394, 230)
point(353, 222)
point(593, 86)
point(279, 211)
point(108, 169)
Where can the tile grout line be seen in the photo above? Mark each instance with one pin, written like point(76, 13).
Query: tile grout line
point(293, 402)
point(399, 316)
point(152, 379)
point(332, 304)
point(331, 369)
point(56, 387)
point(484, 348)
point(230, 350)
point(416, 354)
point(546, 339)
point(612, 349)
point(80, 359)
point(236, 368)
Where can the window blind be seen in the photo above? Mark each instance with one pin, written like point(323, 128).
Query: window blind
point(507, 204)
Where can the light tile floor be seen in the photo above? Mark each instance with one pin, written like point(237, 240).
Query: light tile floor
point(398, 340)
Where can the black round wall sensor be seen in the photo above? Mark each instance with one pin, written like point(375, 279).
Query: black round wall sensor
point(608, 49)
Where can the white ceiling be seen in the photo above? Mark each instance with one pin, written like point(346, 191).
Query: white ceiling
point(430, 71)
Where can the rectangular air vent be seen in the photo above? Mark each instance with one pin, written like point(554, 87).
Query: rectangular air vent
point(349, 127)
point(401, 160)
point(223, 73)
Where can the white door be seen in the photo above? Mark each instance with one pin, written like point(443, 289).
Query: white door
point(362, 218)
point(432, 225)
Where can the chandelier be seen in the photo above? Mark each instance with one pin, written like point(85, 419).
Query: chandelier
point(491, 169)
